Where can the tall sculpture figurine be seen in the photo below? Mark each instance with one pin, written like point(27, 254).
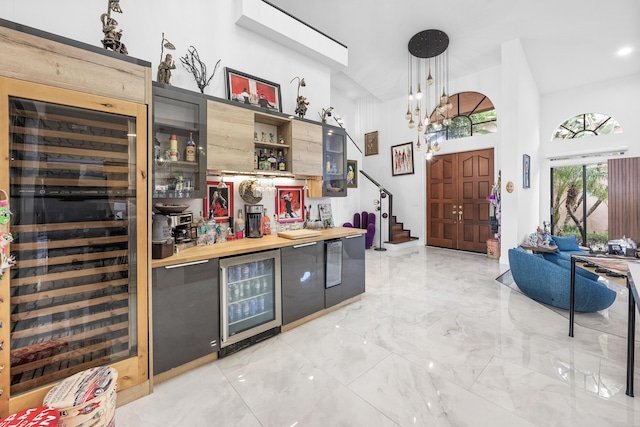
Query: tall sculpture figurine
point(301, 101)
point(112, 37)
point(165, 67)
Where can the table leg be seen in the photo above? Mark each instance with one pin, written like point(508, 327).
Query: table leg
point(572, 296)
point(631, 340)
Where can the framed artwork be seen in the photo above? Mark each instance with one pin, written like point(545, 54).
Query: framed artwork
point(371, 143)
point(290, 203)
point(219, 200)
point(352, 174)
point(526, 171)
point(326, 215)
point(402, 159)
point(251, 90)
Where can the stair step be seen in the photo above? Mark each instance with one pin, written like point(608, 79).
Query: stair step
point(401, 239)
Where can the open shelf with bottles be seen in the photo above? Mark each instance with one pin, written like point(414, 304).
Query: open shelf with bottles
point(179, 143)
point(271, 141)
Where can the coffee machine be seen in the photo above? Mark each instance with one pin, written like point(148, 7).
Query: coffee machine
point(181, 227)
point(253, 222)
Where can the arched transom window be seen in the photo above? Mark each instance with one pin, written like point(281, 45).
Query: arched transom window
point(472, 113)
point(586, 124)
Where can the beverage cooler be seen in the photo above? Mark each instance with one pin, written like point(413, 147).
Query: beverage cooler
point(250, 299)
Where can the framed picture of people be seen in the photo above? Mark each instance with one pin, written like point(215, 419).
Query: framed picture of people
point(290, 203)
point(250, 90)
point(219, 200)
point(402, 159)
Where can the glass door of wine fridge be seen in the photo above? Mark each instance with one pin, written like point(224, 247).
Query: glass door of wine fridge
point(250, 295)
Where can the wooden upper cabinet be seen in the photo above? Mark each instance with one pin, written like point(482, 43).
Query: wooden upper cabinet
point(306, 148)
point(229, 137)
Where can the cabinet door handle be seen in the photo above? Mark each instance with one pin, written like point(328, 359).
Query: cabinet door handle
point(302, 245)
point(168, 267)
point(353, 237)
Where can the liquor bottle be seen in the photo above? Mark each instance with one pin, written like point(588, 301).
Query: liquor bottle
point(262, 159)
point(255, 159)
point(190, 151)
point(239, 225)
point(281, 163)
point(276, 225)
point(266, 224)
point(327, 164)
point(173, 148)
point(272, 161)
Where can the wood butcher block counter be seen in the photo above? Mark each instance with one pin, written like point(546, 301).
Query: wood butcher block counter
point(247, 245)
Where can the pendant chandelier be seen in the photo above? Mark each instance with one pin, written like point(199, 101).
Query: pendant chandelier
point(429, 65)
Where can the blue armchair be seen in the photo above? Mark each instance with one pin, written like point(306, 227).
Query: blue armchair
point(366, 221)
point(549, 283)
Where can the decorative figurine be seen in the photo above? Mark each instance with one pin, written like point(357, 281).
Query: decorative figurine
point(301, 101)
point(165, 67)
point(325, 113)
point(192, 62)
point(112, 37)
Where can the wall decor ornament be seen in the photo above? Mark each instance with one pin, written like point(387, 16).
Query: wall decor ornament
point(250, 90)
point(371, 143)
point(402, 159)
point(192, 62)
point(165, 67)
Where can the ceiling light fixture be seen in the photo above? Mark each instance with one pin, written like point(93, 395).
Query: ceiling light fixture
point(625, 51)
point(428, 49)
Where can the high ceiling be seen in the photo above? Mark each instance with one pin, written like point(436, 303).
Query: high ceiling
point(568, 43)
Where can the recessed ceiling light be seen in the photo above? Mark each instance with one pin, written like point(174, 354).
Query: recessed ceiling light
point(625, 51)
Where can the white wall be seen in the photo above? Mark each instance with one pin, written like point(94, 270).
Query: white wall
point(519, 128)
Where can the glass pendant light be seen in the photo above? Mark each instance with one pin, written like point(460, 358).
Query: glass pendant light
point(408, 115)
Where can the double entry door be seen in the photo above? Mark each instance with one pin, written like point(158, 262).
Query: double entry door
point(458, 212)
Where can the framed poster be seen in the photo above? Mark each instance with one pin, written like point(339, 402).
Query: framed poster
point(352, 174)
point(290, 203)
point(219, 200)
point(526, 171)
point(326, 215)
point(251, 90)
point(371, 143)
point(402, 159)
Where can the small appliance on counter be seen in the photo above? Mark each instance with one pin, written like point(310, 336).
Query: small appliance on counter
point(253, 223)
point(161, 240)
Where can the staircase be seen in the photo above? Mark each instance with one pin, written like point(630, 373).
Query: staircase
point(397, 232)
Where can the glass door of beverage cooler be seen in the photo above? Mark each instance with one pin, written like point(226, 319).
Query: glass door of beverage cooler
point(250, 295)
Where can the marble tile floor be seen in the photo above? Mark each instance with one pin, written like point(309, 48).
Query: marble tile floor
point(435, 341)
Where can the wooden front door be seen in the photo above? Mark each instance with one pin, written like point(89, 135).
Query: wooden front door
point(457, 209)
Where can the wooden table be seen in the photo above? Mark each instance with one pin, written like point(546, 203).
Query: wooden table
point(620, 266)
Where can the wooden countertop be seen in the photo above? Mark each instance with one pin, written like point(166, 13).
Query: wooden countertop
point(247, 245)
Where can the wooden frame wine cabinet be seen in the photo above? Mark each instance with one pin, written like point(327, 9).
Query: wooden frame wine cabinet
point(75, 168)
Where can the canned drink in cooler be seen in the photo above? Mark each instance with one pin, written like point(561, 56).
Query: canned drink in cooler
point(260, 304)
point(260, 267)
point(247, 289)
point(264, 285)
point(232, 274)
point(245, 271)
point(257, 287)
point(253, 269)
point(253, 306)
point(231, 292)
point(231, 312)
point(237, 311)
point(245, 309)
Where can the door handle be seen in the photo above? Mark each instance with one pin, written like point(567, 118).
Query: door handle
point(302, 245)
point(459, 215)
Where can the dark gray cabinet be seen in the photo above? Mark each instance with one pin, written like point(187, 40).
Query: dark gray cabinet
point(186, 319)
point(179, 128)
point(334, 175)
point(302, 280)
point(353, 272)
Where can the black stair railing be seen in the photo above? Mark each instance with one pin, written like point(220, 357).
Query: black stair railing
point(383, 193)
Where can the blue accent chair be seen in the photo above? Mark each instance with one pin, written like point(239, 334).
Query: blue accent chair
point(550, 282)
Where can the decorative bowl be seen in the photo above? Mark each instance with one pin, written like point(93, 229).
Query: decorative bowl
point(170, 209)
